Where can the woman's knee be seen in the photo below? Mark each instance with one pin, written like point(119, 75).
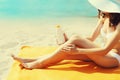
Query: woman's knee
point(75, 38)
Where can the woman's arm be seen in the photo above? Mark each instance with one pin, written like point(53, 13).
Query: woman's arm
point(96, 31)
point(109, 45)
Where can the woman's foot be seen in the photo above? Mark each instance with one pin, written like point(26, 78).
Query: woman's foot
point(28, 63)
point(21, 60)
point(32, 65)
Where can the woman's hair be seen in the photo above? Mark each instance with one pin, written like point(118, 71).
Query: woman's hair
point(114, 18)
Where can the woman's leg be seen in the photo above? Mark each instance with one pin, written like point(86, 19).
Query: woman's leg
point(69, 57)
point(58, 55)
point(22, 60)
point(104, 61)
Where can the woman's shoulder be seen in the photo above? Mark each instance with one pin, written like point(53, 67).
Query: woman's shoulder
point(118, 27)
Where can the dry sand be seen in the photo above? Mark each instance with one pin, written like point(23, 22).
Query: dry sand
point(15, 33)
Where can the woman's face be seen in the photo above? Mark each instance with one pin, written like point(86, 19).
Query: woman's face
point(104, 14)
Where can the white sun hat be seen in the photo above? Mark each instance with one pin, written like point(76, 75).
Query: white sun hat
point(111, 6)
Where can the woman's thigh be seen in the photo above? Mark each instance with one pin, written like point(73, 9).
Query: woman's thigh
point(104, 61)
point(78, 57)
point(82, 42)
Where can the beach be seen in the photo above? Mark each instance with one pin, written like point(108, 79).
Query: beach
point(15, 33)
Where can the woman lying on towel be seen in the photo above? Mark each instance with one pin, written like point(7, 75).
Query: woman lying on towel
point(79, 48)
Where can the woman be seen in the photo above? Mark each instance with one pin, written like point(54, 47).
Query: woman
point(83, 48)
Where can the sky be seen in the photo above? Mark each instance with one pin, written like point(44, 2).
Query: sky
point(46, 8)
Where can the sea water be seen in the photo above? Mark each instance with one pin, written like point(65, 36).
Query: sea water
point(40, 8)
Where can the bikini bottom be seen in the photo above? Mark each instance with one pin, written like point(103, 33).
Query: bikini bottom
point(115, 55)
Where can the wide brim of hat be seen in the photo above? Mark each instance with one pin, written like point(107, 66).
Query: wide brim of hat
point(106, 5)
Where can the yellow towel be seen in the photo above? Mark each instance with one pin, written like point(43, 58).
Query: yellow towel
point(66, 70)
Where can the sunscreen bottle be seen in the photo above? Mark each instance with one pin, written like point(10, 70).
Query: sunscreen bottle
point(60, 38)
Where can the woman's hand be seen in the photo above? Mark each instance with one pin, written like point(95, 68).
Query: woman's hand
point(102, 19)
point(70, 49)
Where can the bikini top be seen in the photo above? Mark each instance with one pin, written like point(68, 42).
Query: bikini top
point(105, 35)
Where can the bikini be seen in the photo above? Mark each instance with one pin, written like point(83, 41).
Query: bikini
point(105, 35)
point(111, 53)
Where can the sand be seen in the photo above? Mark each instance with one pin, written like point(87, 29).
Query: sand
point(15, 33)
